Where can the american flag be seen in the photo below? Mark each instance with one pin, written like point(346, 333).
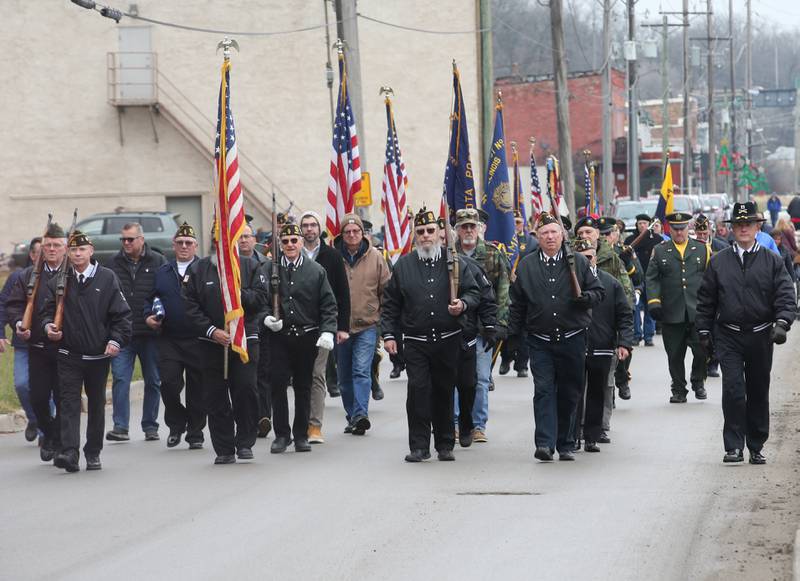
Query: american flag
point(587, 187)
point(345, 179)
point(536, 190)
point(395, 181)
point(229, 218)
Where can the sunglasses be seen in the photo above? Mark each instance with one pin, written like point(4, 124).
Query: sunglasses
point(128, 239)
point(184, 242)
point(429, 230)
point(285, 241)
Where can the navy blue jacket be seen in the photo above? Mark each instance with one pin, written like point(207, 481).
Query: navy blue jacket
point(5, 317)
point(167, 285)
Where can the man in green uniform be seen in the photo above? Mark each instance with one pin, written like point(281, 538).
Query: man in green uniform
point(673, 278)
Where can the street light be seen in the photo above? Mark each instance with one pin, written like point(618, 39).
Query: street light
point(106, 11)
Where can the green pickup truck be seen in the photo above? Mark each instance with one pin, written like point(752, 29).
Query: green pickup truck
point(104, 230)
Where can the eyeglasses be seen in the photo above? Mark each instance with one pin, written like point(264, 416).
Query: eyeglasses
point(352, 232)
point(184, 242)
point(429, 230)
point(286, 241)
point(128, 239)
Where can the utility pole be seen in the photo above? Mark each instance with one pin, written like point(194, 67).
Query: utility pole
point(712, 132)
point(485, 81)
point(328, 64)
point(608, 104)
point(749, 83)
point(562, 103)
point(732, 177)
point(686, 169)
point(347, 29)
point(633, 109)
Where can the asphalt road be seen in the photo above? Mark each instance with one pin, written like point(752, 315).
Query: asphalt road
point(352, 508)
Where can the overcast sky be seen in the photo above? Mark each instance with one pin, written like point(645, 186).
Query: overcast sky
point(785, 13)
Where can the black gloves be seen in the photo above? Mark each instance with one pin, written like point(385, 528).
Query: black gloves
point(706, 342)
point(489, 337)
point(501, 333)
point(779, 333)
point(655, 311)
point(583, 301)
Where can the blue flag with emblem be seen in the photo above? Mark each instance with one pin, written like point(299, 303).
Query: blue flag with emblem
point(498, 199)
point(459, 186)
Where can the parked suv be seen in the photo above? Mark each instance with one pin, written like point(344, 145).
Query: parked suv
point(105, 229)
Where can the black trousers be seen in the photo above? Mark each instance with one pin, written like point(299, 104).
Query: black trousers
point(91, 375)
point(262, 382)
point(44, 384)
point(466, 380)
point(178, 357)
point(432, 370)
point(232, 404)
point(597, 370)
point(745, 360)
point(292, 357)
point(677, 337)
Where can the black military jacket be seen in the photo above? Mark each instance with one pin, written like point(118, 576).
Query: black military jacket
point(18, 300)
point(485, 316)
point(673, 281)
point(612, 319)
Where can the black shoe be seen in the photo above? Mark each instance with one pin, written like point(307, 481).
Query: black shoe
point(505, 366)
point(67, 460)
point(732, 456)
point(418, 455)
point(173, 440)
point(700, 392)
point(334, 391)
point(649, 343)
point(151, 436)
point(348, 429)
point(677, 398)
point(624, 391)
point(377, 393)
point(116, 435)
point(590, 446)
point(543, 454)
point(47, 453)
point(225, 459)
point(245, 453)
point(522, 373)
point(604, 438)
point(302, 446)
point(396, 371)
point(31, 431)
point(713, 371)
point(264, 427)
point(195, 445)
point(757, 458)
point(361, 425)
point(465, 439)
point(93, 462)
point(491, 384)
point(279, 445)
point(576, 447)
point(566, 456)
point(446, 456)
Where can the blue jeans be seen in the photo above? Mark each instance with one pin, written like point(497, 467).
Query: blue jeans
point(480, 409)
point(558, 376)
point(354, 370)
point(122, 371)
point(646, 330)
point(22, 382)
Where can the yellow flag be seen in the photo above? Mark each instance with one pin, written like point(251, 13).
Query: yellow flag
point(665, 204)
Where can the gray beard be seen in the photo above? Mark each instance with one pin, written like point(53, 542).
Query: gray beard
point(432, 253)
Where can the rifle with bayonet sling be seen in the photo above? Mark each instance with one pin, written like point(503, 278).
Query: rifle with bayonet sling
point(61, 279)
point(275, 277)
point(452, 255)
point(552, 184)
point(33, 282)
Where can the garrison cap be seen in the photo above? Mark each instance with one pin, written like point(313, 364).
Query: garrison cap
point(545, 219)
point(424, 217)
point(78, 238)
point(55, 231)
point(290, 229)
point(701, 223)
point(185, 230)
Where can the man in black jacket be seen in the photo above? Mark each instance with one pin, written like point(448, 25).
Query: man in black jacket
point(418, 310)
point(232, 402)
point(610, 333)
point(42, 353)
point(96, 326)
point(306, 322)
point(643, 242)
point(544, 305)
point(745, 292)
point(178, 345)
point(314, 248)
point(135, 265)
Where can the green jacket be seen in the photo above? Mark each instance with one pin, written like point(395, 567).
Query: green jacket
point(673, 281)
point(495, 264)
point(609, 261)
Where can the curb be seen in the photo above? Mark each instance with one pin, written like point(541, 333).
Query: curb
point(796, 557)
point(16, 421)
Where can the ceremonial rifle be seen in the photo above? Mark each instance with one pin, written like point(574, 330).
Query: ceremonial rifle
point(452, 256)
point(61, 279)
point(33, 282)
point(275, 277)
point(552, 184)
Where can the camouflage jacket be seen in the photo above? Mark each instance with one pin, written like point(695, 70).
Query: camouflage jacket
point(495, 264)
point(609, 261)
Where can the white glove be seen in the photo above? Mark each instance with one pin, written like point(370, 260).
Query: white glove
point(325, 341)
point(273, 324)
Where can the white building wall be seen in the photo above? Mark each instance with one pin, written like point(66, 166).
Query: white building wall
point(62, 140)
